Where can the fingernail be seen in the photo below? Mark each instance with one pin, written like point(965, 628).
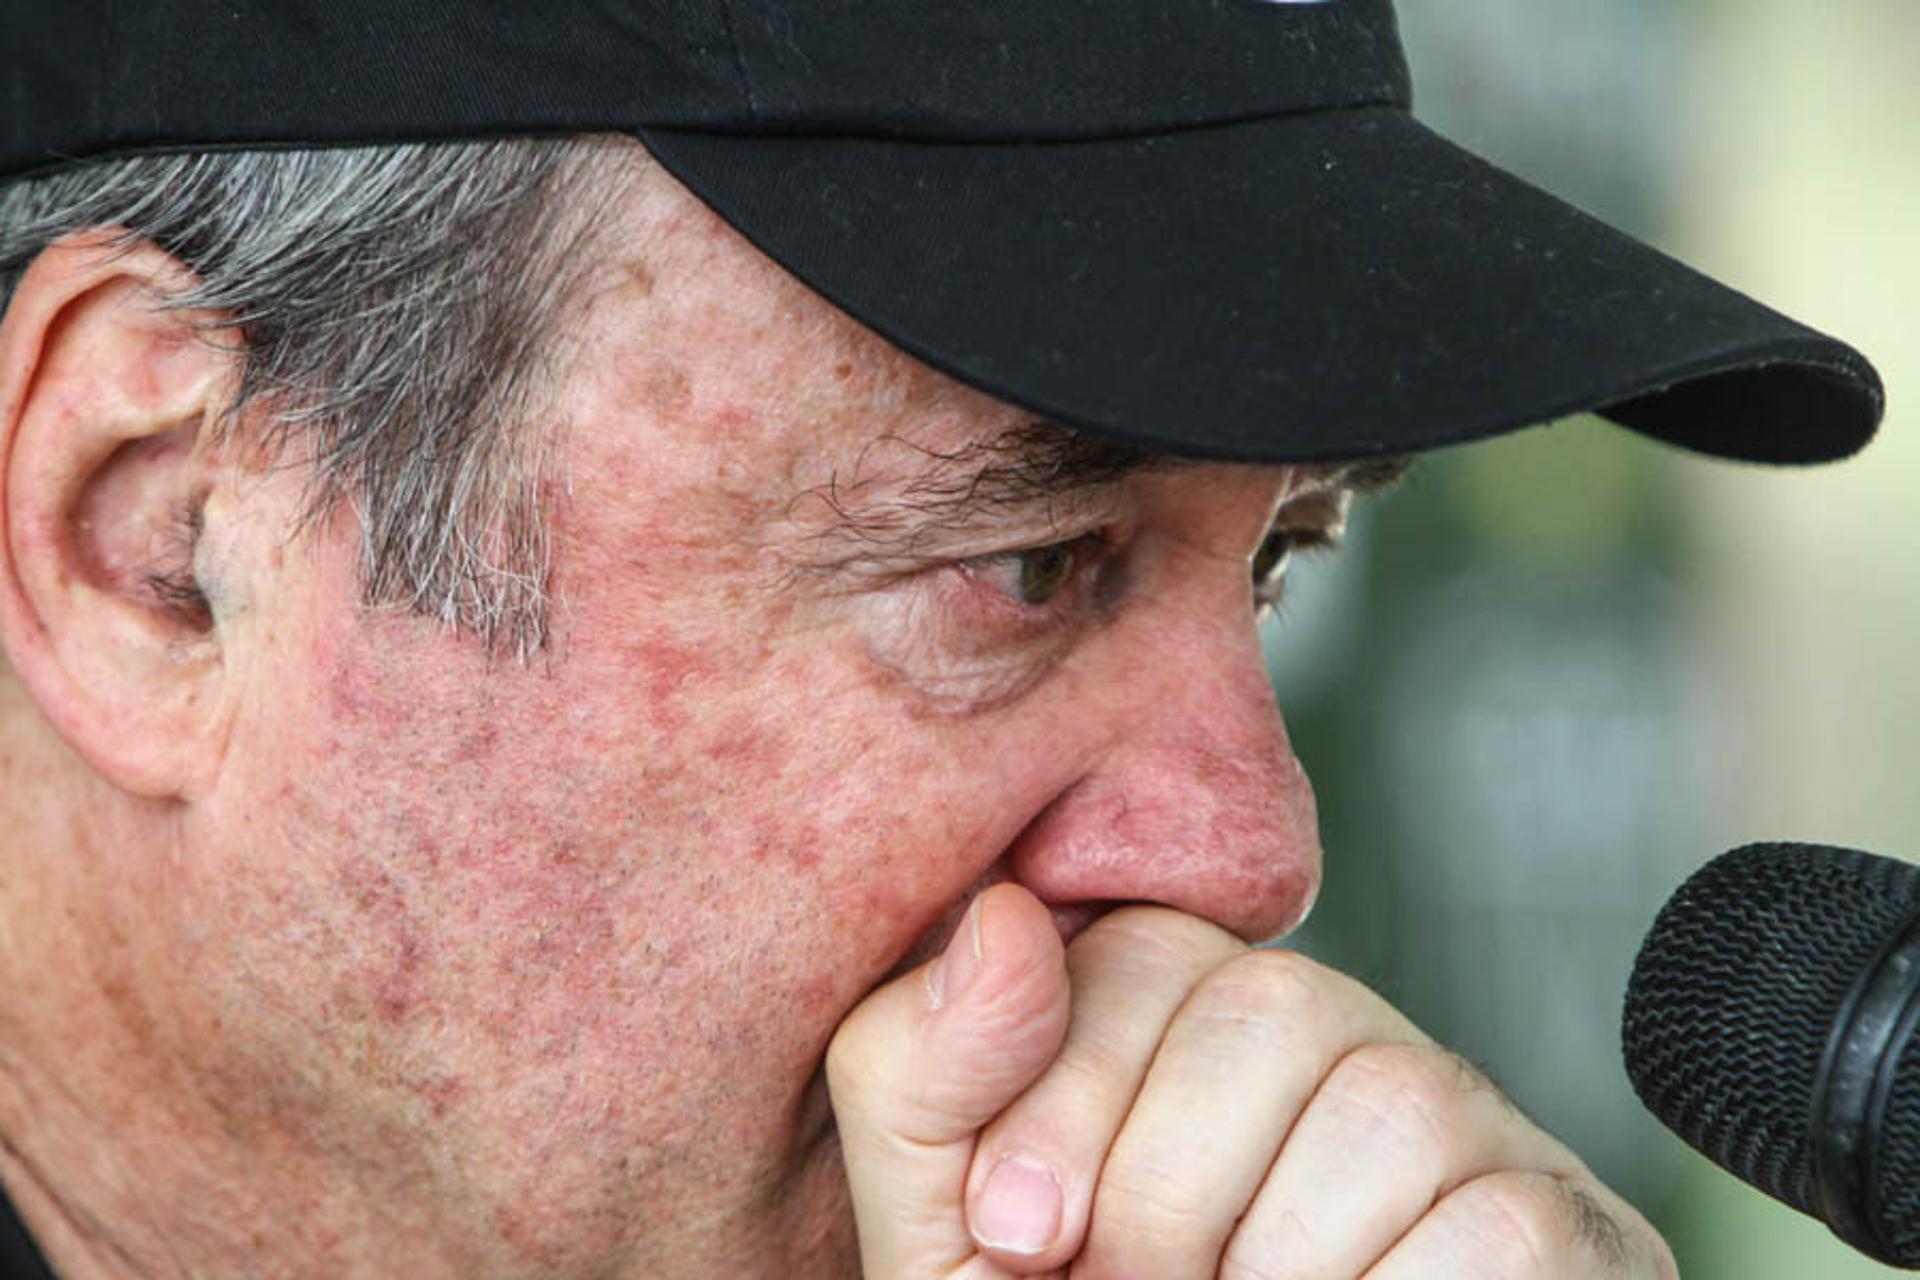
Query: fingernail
point(962, 957)
point(1019, 1208)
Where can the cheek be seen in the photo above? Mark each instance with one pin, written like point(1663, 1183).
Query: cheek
point(561, 862)
point(450, 873)
point(678, 851)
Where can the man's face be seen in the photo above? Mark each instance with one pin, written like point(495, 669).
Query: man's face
point(838, 641)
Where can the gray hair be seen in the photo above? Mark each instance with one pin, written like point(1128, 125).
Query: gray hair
point(400, 308)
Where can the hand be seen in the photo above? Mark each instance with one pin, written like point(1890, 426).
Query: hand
point(1161, 1100)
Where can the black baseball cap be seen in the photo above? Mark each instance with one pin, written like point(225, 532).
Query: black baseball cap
point(1210, 227)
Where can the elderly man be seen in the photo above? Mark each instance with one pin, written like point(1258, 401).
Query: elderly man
point(629, 633)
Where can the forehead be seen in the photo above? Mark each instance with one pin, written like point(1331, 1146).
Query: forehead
point(734, 373)
point(726, 309)
point(719, 359)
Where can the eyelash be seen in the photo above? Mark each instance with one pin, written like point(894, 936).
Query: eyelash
point(1088, 551)
point(1269, 585)
point(1270, 564)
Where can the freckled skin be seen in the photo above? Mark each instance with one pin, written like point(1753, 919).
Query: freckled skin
point(501, 970)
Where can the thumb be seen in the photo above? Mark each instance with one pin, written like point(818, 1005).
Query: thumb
point(924, 1062)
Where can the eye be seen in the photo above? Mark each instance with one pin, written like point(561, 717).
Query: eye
point(1276, 553)
point(1044, 571)
point(1037, 577)
point(1270, 567)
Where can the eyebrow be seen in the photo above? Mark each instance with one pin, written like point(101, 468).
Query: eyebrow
point(1036, 465)
point(1331, 499)
point(1370, 476)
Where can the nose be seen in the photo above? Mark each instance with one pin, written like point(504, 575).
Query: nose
point(1197, 802)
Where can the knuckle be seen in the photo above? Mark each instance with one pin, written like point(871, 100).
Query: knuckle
point(1665, 1265)
point(1145, 1195)
point(867, 1094)
point(1155, 937)
point(848, 1063)
point(1143, 1212)
point(1277, 996)
point(1276, 1251)
point(1534, 1224)
point(1620, 1237)
point(1411, 1093)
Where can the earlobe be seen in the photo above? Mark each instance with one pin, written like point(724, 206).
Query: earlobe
point(106, 476)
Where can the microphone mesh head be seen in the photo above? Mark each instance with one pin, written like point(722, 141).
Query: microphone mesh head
point(1733, 995)
point(1899, 1180)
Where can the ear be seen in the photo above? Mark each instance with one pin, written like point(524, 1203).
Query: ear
point(105, 483)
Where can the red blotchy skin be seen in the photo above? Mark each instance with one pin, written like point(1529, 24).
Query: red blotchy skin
point(531, 967)
point(673, 673)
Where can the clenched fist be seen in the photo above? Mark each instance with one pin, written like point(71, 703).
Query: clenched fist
point(1159, 1100)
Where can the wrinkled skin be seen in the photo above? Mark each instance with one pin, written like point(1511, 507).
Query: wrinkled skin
point(459, 967)
point(335, 946)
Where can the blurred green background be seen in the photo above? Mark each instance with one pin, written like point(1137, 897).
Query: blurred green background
point(1554, 673)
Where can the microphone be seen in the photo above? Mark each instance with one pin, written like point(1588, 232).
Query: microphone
point(1770, 1024)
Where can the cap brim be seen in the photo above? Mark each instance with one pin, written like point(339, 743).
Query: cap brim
point(1309, 287)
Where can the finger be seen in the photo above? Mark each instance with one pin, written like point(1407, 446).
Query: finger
point(1392, 1129)
point(922, 1063)
point(1130, 972)
point(1528, 1226)
point(1240, 1063)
